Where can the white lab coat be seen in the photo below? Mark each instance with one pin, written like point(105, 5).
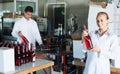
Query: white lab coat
point(98, 63)
point(29, 29)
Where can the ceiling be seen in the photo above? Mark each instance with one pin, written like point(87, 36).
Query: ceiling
point(3, 1)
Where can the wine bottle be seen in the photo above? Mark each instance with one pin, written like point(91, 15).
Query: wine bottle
point(87, 39)
point(27, 53)
point(22, 53)
point(18, 57)
point(24, 39)
point(4, 44)
point(1, 43)
point(32, 53)
point(34, 57)
point(11, 44)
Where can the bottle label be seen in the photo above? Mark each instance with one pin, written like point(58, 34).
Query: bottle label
point(34, 58)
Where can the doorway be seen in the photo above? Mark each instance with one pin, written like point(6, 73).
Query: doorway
point(56, 13)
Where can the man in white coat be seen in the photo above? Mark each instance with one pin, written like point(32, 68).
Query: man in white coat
point(104, 47)
point(27, 27)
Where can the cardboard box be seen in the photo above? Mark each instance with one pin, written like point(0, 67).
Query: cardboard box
point(7, 62)
point(78, 49)
point(76, 36)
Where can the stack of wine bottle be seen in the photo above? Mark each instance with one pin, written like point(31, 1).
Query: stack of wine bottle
point(23, 52)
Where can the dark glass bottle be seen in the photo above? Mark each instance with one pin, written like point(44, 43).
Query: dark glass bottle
point(26, 53)
point(34, 57)
point(18, 56)
point(24, 39)
point(1, 43)
point(87, 39)
point(32, 53)
point(7, 44)
point(11, 44)
point(4, 44)
point(22, 53)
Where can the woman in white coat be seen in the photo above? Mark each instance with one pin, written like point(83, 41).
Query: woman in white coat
point(104, 47)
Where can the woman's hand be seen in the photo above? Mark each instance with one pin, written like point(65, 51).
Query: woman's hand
point(96, 49)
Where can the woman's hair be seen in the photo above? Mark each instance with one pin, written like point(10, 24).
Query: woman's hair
point(103, 13)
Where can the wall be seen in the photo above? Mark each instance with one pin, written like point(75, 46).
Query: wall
point(0, 7)
point(6, 6)
point(101, 0)
point(79, 8)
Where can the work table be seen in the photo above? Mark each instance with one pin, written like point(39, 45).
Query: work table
point(31, 67)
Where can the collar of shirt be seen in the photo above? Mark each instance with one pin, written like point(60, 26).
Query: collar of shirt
point(26, 19)
point(108, 32)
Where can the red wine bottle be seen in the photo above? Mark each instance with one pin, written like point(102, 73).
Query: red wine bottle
point(22, 53)
point(18, 57)
point(27, 53)
point(4, 44)
point(87, 39)
point(1, 43)
point(32, 53)
point(24, 39)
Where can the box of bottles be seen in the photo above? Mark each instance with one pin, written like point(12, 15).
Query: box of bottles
point(7, 63)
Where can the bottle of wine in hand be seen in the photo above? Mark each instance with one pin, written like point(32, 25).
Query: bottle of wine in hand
point(24, 39)
point(87, 39)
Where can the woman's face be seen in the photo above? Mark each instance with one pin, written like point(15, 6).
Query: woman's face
point(102, 21)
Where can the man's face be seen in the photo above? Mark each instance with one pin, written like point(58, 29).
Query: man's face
point(27, 15)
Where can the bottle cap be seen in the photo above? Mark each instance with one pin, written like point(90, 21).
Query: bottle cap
point(84, 27)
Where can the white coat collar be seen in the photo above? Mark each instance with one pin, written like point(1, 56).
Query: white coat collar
point(26, 19)
point(108, 32)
